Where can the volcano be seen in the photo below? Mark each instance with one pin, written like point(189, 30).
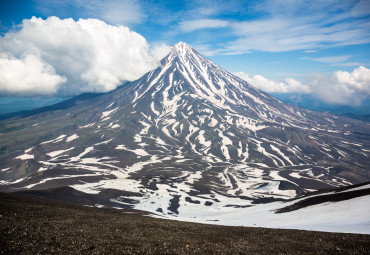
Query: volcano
point(186, 136)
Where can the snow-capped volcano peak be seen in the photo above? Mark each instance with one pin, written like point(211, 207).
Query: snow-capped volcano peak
point(200, 77)
point(183, 52)
point(181, 47)
point(185, 74)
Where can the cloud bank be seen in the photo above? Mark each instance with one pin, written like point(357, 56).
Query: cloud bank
point(341, 87)
point(28, 75)
point(66, 57)
point(289, 85)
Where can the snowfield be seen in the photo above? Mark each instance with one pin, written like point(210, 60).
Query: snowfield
point(350, 216)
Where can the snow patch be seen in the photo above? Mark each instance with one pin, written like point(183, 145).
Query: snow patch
point(107, 113)
point(71, 138)
point(56, 140)
point(56, 153)
point(25, 157)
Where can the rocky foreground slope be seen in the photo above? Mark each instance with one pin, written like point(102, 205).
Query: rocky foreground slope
point(30, 225)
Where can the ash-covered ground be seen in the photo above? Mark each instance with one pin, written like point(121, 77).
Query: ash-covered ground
point(32, 225)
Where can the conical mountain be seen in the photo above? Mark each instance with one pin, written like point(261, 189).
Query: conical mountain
point(188, 133)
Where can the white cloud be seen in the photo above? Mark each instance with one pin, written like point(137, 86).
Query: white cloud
point(289, 85)
point(90, 54)
point(28, 75)
point(198, 9)
point(124, 12)
point(192, 25)
point(300, 25)
point(329, 59)
point(349, 64)
point(362, 8)
point(158, 52)
point(341, 87)
point(282, 34)
point(358, 80)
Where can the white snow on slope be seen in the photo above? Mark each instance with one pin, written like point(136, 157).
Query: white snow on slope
point(88, 125)
point(87, 150)
point(56, 140)
point(25, 157)
point(104, 142)
point(349, 216)
point(225, 142)
point(71, 138)
point(202, 140)
point(109, 105)
point(107, 113)
point(139, 152)
point(28, 150)
point(56, 153)
point(145, 130)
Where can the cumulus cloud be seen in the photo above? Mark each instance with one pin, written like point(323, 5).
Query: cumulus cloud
point(341, 87)
point(87, 55)
point(28, 75)
point(289, 85)
point(158, 52)
point(192, 25)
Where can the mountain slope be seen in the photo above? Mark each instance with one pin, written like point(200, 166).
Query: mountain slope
point(186, 135)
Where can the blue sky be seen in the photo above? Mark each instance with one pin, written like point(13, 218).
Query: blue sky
point(319, 49)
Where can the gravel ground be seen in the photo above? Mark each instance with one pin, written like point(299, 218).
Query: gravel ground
point(31, 225)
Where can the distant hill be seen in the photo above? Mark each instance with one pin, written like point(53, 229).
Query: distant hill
point(357, 117)
point(59, 106)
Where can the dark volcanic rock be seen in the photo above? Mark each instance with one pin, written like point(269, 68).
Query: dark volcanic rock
point(30, 225)
point(319, 197)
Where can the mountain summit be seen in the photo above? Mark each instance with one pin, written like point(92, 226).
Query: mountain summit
point(188, 135)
